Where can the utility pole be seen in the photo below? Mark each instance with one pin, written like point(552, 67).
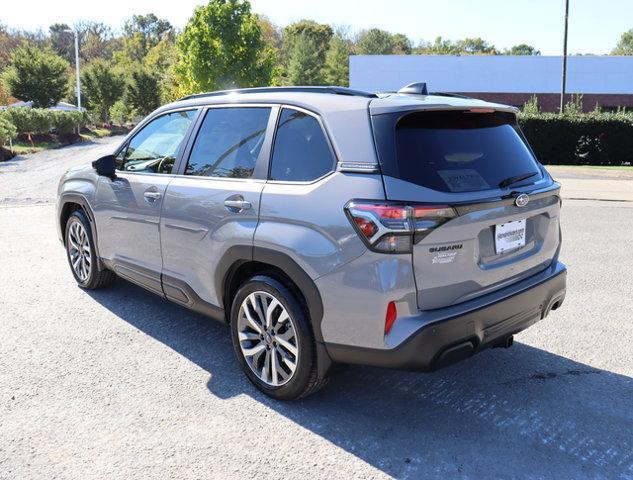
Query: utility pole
point(564, 80)
point(78, 80)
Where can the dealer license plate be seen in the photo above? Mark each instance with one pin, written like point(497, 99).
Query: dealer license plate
point(509, 236)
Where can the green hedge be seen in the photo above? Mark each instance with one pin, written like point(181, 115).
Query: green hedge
point(7, 131)
point(580, 139)
point(40, 120)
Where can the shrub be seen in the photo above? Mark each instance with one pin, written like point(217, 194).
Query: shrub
point(29, 120)
point(594, 138)
point(67, 121)
point(7, 130)
point(121, 114)
point(40, 120)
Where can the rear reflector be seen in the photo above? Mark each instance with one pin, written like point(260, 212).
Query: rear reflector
point(390, 317)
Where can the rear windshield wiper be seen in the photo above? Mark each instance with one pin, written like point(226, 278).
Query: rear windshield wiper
point(516, 178)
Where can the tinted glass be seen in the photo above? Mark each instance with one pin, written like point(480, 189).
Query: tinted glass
point(154, 149)
point(229, 142)
point(301, 151)
point(457, 151)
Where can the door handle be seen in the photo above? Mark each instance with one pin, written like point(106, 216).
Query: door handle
point(151, 195)
point(237, 205)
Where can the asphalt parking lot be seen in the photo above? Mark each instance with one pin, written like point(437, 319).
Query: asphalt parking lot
point(121, 384)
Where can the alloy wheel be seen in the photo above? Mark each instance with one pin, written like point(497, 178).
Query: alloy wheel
point(79, 251)
point(267, 338)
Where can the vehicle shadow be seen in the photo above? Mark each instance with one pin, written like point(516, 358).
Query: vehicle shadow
point(521, 412)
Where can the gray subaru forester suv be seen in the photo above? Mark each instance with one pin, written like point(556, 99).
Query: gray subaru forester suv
point(327, 226)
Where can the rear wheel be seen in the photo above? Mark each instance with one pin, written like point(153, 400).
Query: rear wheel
point(81, 254)
point(273, 340)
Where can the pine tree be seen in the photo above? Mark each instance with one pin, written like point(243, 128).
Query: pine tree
point(336, 70)
point(305, 67)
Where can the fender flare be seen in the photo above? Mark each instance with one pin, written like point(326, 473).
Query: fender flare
point(238, 255)
point(82, 201)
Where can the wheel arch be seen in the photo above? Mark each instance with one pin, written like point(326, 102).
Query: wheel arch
point(70, 202)
point(242, 262)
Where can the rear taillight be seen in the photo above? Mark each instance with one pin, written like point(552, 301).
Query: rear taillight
point(393, 227)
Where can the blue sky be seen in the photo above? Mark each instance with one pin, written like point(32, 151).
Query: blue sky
point(595, 25)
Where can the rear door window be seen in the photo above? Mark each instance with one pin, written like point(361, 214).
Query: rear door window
point(229, 142)
point(301, 152)
point(455, 151)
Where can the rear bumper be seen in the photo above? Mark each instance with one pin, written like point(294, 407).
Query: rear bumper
point(442, 343)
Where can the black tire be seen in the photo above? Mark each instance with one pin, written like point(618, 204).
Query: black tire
point(304, 381)
point(97, 277)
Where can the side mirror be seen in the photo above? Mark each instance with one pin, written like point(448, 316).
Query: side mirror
point(105, 166)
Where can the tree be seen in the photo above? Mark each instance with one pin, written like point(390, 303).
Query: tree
point(5, 98)
point(305, 63)
point(143, 92)
point(522, 49)
point(101, 87)
point(150, 28)
point(401, 44)
point(475, 46)
point(336, 70)
point(319, 33)
point(95, 40)
point(11, 39)
point(62, 42)
point(466, 46)
point(271, 34)
point(37, 75)
point(143, 33)
point(438, 47)
point(625, 44)
point(375, 42)
point(221, 47)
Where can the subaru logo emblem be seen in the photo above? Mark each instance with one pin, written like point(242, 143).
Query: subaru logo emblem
point(522, 200)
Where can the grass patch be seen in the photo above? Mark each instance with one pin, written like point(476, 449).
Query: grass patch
point(96, 133)
point(21, 148)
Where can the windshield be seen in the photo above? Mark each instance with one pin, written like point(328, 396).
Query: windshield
point(455, 151)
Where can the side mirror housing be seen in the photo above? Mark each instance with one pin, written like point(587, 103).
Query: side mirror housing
point(105, 166)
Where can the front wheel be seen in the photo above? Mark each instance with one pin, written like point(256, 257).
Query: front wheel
point(273, 340)
point(81, 254)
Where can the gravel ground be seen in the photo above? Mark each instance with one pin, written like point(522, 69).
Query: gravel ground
point(121, 384)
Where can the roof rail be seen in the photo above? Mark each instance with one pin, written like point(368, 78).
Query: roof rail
point(329, 90)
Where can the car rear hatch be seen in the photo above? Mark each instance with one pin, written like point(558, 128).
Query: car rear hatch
point(485, 212)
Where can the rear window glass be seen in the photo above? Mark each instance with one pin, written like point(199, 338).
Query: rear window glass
point(457, 151)
point(301, 152)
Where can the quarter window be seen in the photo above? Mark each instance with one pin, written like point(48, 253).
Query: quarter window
point(155, 148)
point(301, 151)
point(229, 142)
